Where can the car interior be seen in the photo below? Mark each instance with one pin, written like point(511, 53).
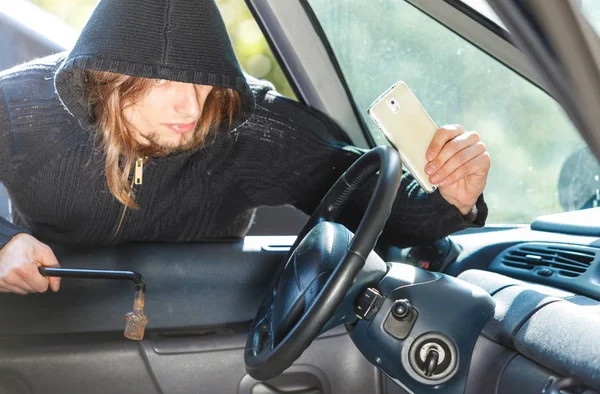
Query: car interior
point(510, 308)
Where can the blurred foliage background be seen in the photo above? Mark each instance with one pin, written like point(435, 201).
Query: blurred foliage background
point(252, 49)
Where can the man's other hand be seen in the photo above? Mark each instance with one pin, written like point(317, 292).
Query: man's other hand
point(19, 262)
point(459, 163)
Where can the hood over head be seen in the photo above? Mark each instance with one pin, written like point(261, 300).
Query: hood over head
point(177, 40)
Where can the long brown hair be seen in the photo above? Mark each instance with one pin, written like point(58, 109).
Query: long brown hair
point(108, 94)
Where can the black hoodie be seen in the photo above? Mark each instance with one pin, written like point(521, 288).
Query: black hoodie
point(278, 151)
point(177, 40)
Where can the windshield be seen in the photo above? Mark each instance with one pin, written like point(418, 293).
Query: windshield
point(538, 157)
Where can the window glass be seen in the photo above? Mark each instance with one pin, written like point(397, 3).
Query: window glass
point(591, 10)
point(528, 135)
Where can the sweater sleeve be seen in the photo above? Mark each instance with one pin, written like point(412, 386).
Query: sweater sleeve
point(7, 229)
point(293, 158)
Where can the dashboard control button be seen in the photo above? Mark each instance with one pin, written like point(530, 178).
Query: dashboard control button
point(400, 319)
point(368, 304)
point(545, 272)
point(402, 309)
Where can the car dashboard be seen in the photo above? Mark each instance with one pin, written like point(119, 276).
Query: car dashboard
point(545, 279)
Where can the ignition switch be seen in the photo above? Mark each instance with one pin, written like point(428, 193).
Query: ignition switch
point(431, 362)
point(433, 357)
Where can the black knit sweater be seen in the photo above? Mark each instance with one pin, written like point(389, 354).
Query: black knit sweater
point(279, 151)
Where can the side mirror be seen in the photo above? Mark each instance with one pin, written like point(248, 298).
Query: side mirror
point(579, 181)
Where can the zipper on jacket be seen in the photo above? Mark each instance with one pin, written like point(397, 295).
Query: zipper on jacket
point(138, 176)
point(138, 173)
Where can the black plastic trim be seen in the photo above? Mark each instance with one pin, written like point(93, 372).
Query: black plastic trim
point(446, 25)
point(481, 19)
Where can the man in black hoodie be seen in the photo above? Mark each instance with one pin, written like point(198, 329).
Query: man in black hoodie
point(73, 182)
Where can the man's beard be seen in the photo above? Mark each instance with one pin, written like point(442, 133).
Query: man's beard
point(157, 148)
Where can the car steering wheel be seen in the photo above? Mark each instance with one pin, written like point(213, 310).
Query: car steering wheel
point(321, 268)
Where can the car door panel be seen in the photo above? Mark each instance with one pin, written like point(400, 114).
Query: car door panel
point(200, 300)
point(212, 363)
point(332, 359)
point(186, 285)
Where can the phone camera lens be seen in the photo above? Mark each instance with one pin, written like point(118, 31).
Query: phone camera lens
point(392, 102)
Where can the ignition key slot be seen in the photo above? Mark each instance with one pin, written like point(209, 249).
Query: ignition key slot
point(433, 357)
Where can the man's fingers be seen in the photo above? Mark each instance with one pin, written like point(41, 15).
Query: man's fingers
point(452, 147)
point(30, 274)
point(6, 288)
point(479, 163)
point(20, 259)
point(55, 284)
point(15, 283)
point(458, 160)
point(45, 257)
point(440, 138)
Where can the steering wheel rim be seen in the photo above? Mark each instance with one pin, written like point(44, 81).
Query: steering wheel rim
point(266, 359)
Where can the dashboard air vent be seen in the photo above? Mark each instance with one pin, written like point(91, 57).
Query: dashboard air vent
point(564, 261)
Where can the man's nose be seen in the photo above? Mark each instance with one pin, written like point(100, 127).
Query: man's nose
point(187, 102)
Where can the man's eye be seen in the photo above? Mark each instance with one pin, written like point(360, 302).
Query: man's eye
point(159, 81)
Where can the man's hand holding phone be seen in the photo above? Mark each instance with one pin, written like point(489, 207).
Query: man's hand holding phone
point(449, 158)
point(458, 162)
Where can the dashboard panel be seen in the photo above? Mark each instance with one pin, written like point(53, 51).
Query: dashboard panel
point(545, 279)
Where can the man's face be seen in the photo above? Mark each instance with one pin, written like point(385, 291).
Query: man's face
point(168, 116)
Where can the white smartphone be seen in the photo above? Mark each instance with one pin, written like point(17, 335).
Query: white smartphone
point(407, 127)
